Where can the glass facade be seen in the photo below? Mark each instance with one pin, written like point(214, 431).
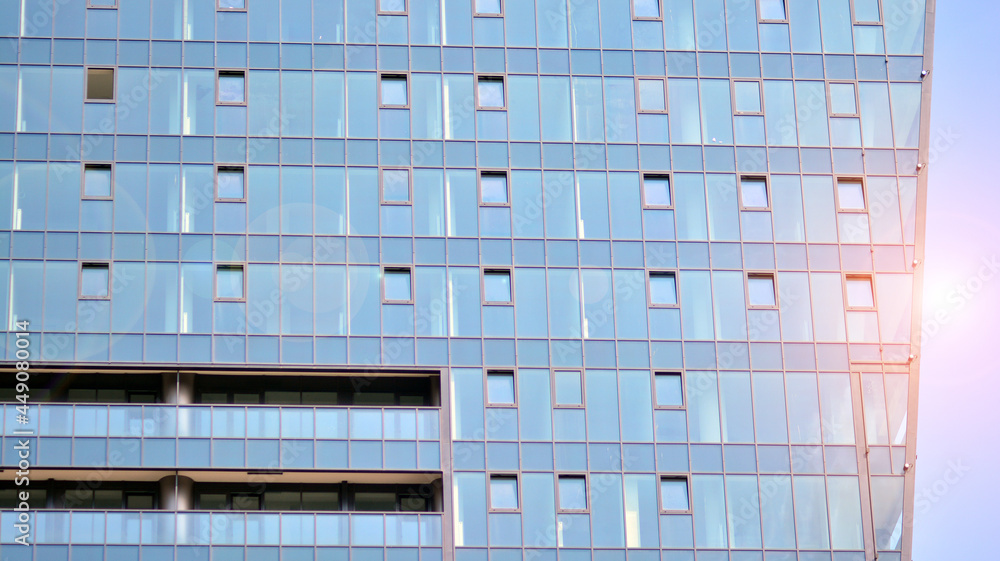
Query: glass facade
point(461, 280)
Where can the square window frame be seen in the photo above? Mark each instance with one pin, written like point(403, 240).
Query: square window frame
point(232, 72)
point(83, 181)
point(406, 78)
point(670, 187)
point(829, 99)
point(586, 492)
point(487, 14)
point(397, 269)
point(767, 192)
point(860, 179)
point(762, 20)
point(486, 387)
point(881, 15)
point(379, 11)
point(489, 490)
point(482, 285)
point(219, 8)
point(871, 280)
point(93, 264)
point(409, 186)
point(659, 492)
point(649, 293)
point(684, 397)
point(488, 172)
point(230, 167)
point(93, 7)
point(502, 78)
point(659, 4)
point(583, 390)
point(114, 82)
point(666, 96)
point(760, 90)
point(774, 286)
point(215, 282)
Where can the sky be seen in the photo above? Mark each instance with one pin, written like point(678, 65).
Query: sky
point(958, 448)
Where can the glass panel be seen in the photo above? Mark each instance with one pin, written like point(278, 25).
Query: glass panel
point(657, 191)
point(754, 192)
point(100, 83)
point(646, 8)
point(569, 391)
point(851, 195)
point(651, 96)
point(393, 90)
point(572, 492)
point(395, 185)
point(229, 282)
point(761, 290)
point(97, 181)
point(95, 280)
point(500, 386)
point(491, 92)
point(497, 286)
point(392, 5)
point(488, 7)
point(859, 292)
point(230, 184)
point(772, 9)
point(668, 390)
point(494, 188)
point(397, 285)
point(231, 88)
point(662, 288)
point(843, 99)
point(503, 492)
point(674, 494)
point(377, 501)
point(747, 97)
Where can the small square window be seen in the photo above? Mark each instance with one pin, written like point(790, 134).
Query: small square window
point(503, 492)
point(102, 3)
point(229, 282)
point(843, 99)
point(772, 10)
point(393, 91)
point(662, 288)
point(97, 181)
point(396, 285)
point(859, 292)
point(656, 191)
point(760, 290)
point(867, 11)
point(95, 280)
point(674, 494)
point(233, 5)
point(232, 87)
point(746, 97)
point(496, 287)
point(100, 84)
point(493, 188)
point(569, 389)
point(669, 389)
point(753, 193)
point(490, 92)
point(230, 183)
point(396, 186)
point(392, 6)
point(500, 388)
point(851, 194)
point(572, 492)
point(645, 9)
point(652, 95)
point(489, 7)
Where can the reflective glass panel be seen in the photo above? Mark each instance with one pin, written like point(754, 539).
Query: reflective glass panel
point(395, 185)
point(230, 183)
point(572, 492)
point(568, 388)
point(747, 96)
point(393, 90)
point(662, 288)
point(657, 190)
point(651, 96)
point(761, 290)
point(850, 195)
point(859, 292)
point(231, 87)
point(233, 4)
point(668, 389)
point(496, 286)
point(491, 92)
point(392, 5)
point(646, 8)
point(754, 191)
point(500, 387)
point(488, 7)
point(94, 280)
point(772, 9)
point(494, 188)
point(674, 494)
point(229, 282)
point(843, 99)
point(397, 284)
point(503, 492)
point(97, 181)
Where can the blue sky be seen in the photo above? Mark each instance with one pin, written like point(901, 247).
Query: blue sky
point(957, 445)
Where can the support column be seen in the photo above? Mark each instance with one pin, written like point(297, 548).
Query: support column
point(176, 493)
point(178, 388)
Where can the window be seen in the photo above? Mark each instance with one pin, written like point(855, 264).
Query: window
point(746, 97)
point(772, 10)
point(867, 11)
point(569, 388)
point(760, 291)
point(236, 5)
point(645, 9)
point(489, 7)
point(753, 193)
point(493, 188)
point(851, 194)
point(669, 389)
point(490, 93)
point(95, 280)
point(572, 492)
point(662, 288)
point(396, 285)
point(100, 84)
point(102, 3)
point(393, 91)
point(500, 388)
point(396, 186)
point(674, 494)
point(859, 292)
point(656, 191)
point(496, 286)
point(843, 99)
point(97, 181)
point(503, 492)
point(229, 282)
point(232, 87)
point(392, 6)
point(229, 183)
point(652, 95)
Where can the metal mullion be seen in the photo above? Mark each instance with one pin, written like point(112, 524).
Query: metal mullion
point(864, 465)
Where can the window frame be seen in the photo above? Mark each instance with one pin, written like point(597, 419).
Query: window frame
point(650, 273)
point(215, 282)
point(489, 490)
point(638, 97)
point(684, 398)
point(83, 181)
point(858, 179)
point(409, 186)
point(93, 264)
point(114, 83)
point(405, 76)
point(482, 285)
point(586, 492)
point(486, 386)
point(397, 269)
point(502, 78)
point(760, 94)
point(228, 168)
point(219, 73)
point(670, 190)
point(219, 8)
point(659, 492)
point(488, 14)
point(405, 12)
point(848, 276)
point(488, 172)
point(659, 9)
point(767, 192)
point(881, 15)
point(761, 19)
point(774, 287)
point(555, 396)
point(829, 97)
